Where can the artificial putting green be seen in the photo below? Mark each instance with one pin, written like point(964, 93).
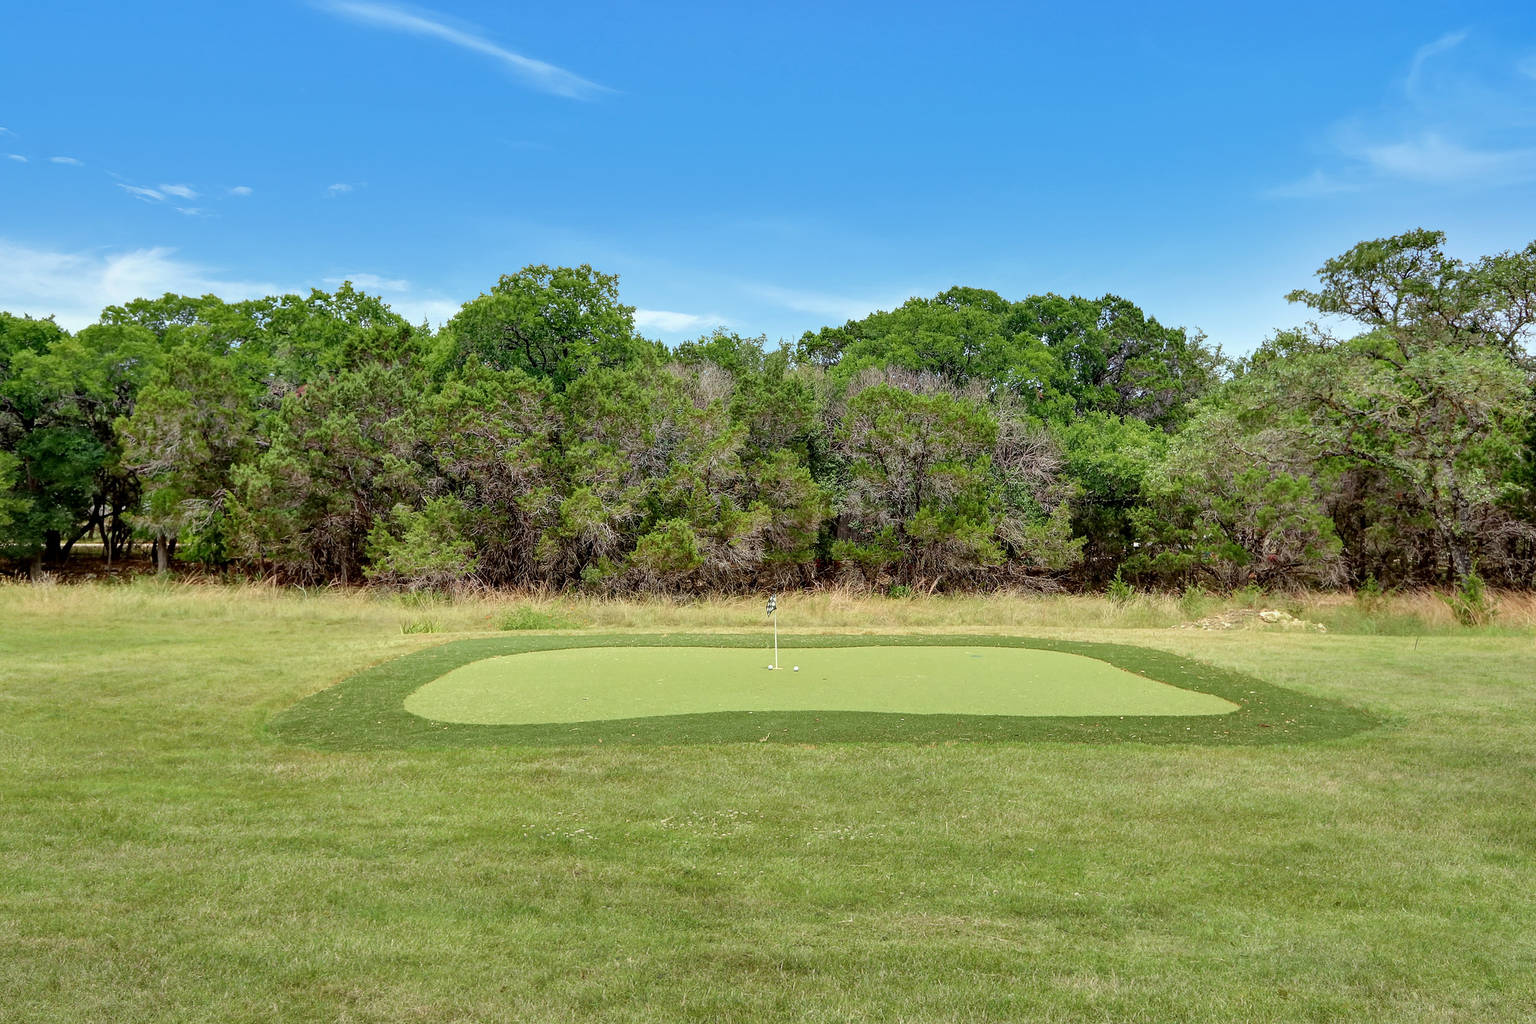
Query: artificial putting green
point(600, 683)
point(368, 710)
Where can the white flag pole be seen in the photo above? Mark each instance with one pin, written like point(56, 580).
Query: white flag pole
point(773, 613)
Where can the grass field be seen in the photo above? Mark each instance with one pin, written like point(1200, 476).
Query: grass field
point(166, 854)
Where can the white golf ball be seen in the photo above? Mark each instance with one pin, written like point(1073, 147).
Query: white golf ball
point(797, 668)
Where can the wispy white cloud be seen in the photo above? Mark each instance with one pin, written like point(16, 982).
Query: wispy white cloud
point(159, 195)
point(340, 188)
point(149, 195)
point(1316, 185)
point(1433, 159)
point(831, 307)
point(69, 160)
point(241, 190)
point(372, 282)
point(1449, 126)
point(1527, 66)
point(17, 157)
point(1429, 51)
point(74, 286)
point(537, 73)
point(668, 322)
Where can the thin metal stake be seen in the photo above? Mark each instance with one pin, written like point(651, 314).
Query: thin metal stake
point(773, 613)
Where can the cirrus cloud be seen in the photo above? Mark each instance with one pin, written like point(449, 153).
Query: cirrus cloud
point(1447, 126)
point(149, 195)
point(1432, 158)
point(539, 74)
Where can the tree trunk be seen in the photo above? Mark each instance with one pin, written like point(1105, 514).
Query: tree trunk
point(162, 556)
point(69, 545)
point(1456, 533)
point(1460, 555)
point(36, 567)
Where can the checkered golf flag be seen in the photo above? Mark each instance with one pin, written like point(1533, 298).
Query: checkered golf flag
point(773, 603)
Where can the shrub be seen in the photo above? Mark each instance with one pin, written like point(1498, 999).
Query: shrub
point(422, 547)
point(1119, 591)
point(1194, 601)
point(1370, 596)
point(1471, 602)
point(1250, 596)
point(524, 617)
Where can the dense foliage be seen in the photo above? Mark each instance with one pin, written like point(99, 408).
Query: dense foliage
point(962, 441)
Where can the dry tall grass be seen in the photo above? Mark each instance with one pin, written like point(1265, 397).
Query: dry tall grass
point(151, 598)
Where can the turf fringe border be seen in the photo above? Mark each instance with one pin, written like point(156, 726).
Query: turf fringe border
point(366, 711)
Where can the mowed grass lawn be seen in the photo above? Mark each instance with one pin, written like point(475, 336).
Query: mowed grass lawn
point(164, 857)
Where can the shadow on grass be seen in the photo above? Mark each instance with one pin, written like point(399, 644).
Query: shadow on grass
point(366, 711)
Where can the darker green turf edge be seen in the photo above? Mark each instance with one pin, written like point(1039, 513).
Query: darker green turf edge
point(366, 711)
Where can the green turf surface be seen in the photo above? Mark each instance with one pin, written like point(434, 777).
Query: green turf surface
point(368, 710)
point(597, 683)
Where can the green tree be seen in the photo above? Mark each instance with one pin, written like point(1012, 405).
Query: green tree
point(343, 453)
point(1109, 458)
point(98, 375)
point(962, 335)
point(780, 407)
point(1436, 395)
point(1061, 356)
point(12, 505)
point(492, 437)
point(308, 337)
point(23, 413)
point(1230, 505)
point(282, 341)
point(60, 395)
point(1442, 424)
point(935, 488)
point(1409, 287)
point(193, 422)
point(549, 322)
point(1116, 360)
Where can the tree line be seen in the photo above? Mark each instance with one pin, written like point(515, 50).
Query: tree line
point(959, 441)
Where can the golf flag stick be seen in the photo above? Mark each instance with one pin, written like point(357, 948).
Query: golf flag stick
point(773, 606)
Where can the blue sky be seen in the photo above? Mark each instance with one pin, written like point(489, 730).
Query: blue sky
point(773, 168)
